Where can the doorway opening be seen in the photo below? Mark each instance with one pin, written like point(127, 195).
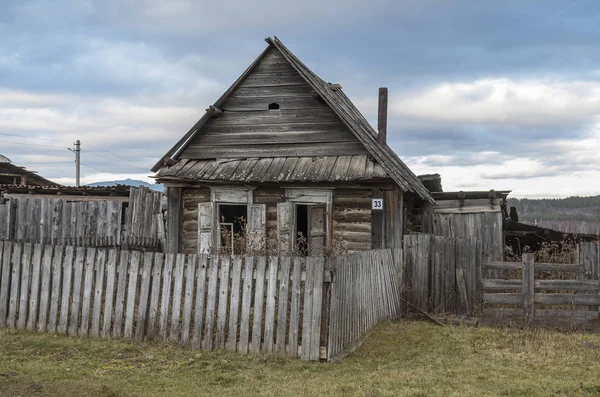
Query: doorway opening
point(302, 230)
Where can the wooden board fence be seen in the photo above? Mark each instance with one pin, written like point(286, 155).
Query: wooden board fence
point(364, 290)
point(570, 299)
point(236, 303)
point(99, 223)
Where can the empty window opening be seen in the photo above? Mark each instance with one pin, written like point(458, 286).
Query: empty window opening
point(301, 238)
point(273, 106)
point(232, 228)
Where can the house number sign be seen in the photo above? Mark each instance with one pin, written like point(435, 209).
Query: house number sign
point(377, 204)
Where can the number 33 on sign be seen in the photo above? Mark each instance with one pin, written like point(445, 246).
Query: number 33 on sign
point(377, 204)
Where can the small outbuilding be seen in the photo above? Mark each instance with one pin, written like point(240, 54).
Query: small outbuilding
point(284, 161)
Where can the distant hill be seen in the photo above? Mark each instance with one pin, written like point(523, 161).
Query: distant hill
point(572, 214)
point(129, 182)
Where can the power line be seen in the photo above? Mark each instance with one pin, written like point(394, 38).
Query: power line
point(97, 169)
point(32, 144)
point(105, 154)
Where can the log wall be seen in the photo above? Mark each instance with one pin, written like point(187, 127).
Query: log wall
point(352, 220)
point(191, 198)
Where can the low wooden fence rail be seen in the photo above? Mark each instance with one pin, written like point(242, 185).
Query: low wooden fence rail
point(550, 302)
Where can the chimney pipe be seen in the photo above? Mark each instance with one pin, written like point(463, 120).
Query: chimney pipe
point(382, 115)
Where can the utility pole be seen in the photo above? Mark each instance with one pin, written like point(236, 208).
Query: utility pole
point(77, 152)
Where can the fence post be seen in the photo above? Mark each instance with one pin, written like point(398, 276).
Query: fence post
point(528, 289)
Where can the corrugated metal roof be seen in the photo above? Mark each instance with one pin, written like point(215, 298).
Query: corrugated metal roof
point(278, 169)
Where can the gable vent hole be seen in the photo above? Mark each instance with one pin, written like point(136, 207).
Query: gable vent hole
point(273, 106)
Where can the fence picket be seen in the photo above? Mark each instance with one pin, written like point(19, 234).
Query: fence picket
point(76, 298)
point(221, 328)
point(236, 276)
point(259, 297)
point(246, 304)
point(131, 294)
point(269, 338)
point(87, 291)
point(154, 295)
point(177, 295)
point(282, 310)
point(200, 299)
point(189, 298)
point(144, 293)
point(25, 275)
point(111, 269)
point(57, 262)
point(166, 295)
point(14, 287)
point(211, 301)
point(295, 308)
point(98, 292)
point(5, 281)
point(120, 298)
point(36, 268)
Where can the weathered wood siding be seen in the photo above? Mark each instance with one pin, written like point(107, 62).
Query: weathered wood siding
point(191, 198)
point(352, 220)
point(302, 126)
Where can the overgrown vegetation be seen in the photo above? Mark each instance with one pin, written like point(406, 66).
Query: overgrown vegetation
point(399, 359)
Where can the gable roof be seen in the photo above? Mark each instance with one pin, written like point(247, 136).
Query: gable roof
point(335, 98)
point(10, 171)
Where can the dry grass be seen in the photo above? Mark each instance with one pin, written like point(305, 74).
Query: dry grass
point(402, 359)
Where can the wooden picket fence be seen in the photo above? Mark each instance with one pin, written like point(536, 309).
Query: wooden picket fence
point(96, 223)
point(364, 291)
point(232, 302)
point(566, 297)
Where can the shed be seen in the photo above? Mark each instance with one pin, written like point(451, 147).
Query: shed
point(284, 161)
point(15, 175)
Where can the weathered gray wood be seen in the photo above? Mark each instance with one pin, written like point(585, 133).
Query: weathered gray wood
point(221, 329)
point(87, 291)
point(76, 295)
point(503, 298)
point(132, 284)
point(571, 285)
point(200, 299)
point(318, 269)
point(166, 295)
point(120, 297)
point(295, 308)
point(57, 267)
point(45, 285)
point(567, 299)
point(307, 311)
point(246, 304)
point(528, 289)
point(24, 289)
point(13, 304)
point(143, 302)
point(211, 301)
point(99, 292)
point(259, 295)
point(234, 306)
point(174, 202)
point(36, 269)
point(177, 296)
point(190, 282)
point(5, 281)
point(283, 298)
point(269, 335)
point(153, 310)
point(497, 284)
point(109, 295)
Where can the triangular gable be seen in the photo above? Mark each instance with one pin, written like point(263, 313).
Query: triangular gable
point(337, 101)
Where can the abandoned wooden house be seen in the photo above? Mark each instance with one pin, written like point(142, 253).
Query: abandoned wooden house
point(286, 160)
point(11, 174)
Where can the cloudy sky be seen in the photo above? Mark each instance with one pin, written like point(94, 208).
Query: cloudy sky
point(495, 94)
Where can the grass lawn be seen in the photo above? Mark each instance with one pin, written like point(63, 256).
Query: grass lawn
point(407, 358)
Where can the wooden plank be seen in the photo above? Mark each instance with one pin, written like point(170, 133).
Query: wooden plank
point(143, 304)
point(557, 267)
point(153, 310)
point(99, 292)
point(120, 297)
point(308, 310)
point(211, 301)
point(528, 288)
point(221, 329)
point(45, 285)
point(190, 282)
point(567, 299)
point(498, 284)
point(178, 274)
point(246, 304)
point(318, 269)
point(5, 275)
point(234, 306)
point(87, 291)
point(76, 296)
point(269, 335)
point(36, 270)
point(166, 295)
point(13, 304)
point(283, 298)
point(132, 284)
point(571, 285)
point(503, 298)
point(200, 299)
point(57, 267)
point(503, 317)
point(295, 308)
point(24, 289)
point(259, 297)
point(109, 295)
